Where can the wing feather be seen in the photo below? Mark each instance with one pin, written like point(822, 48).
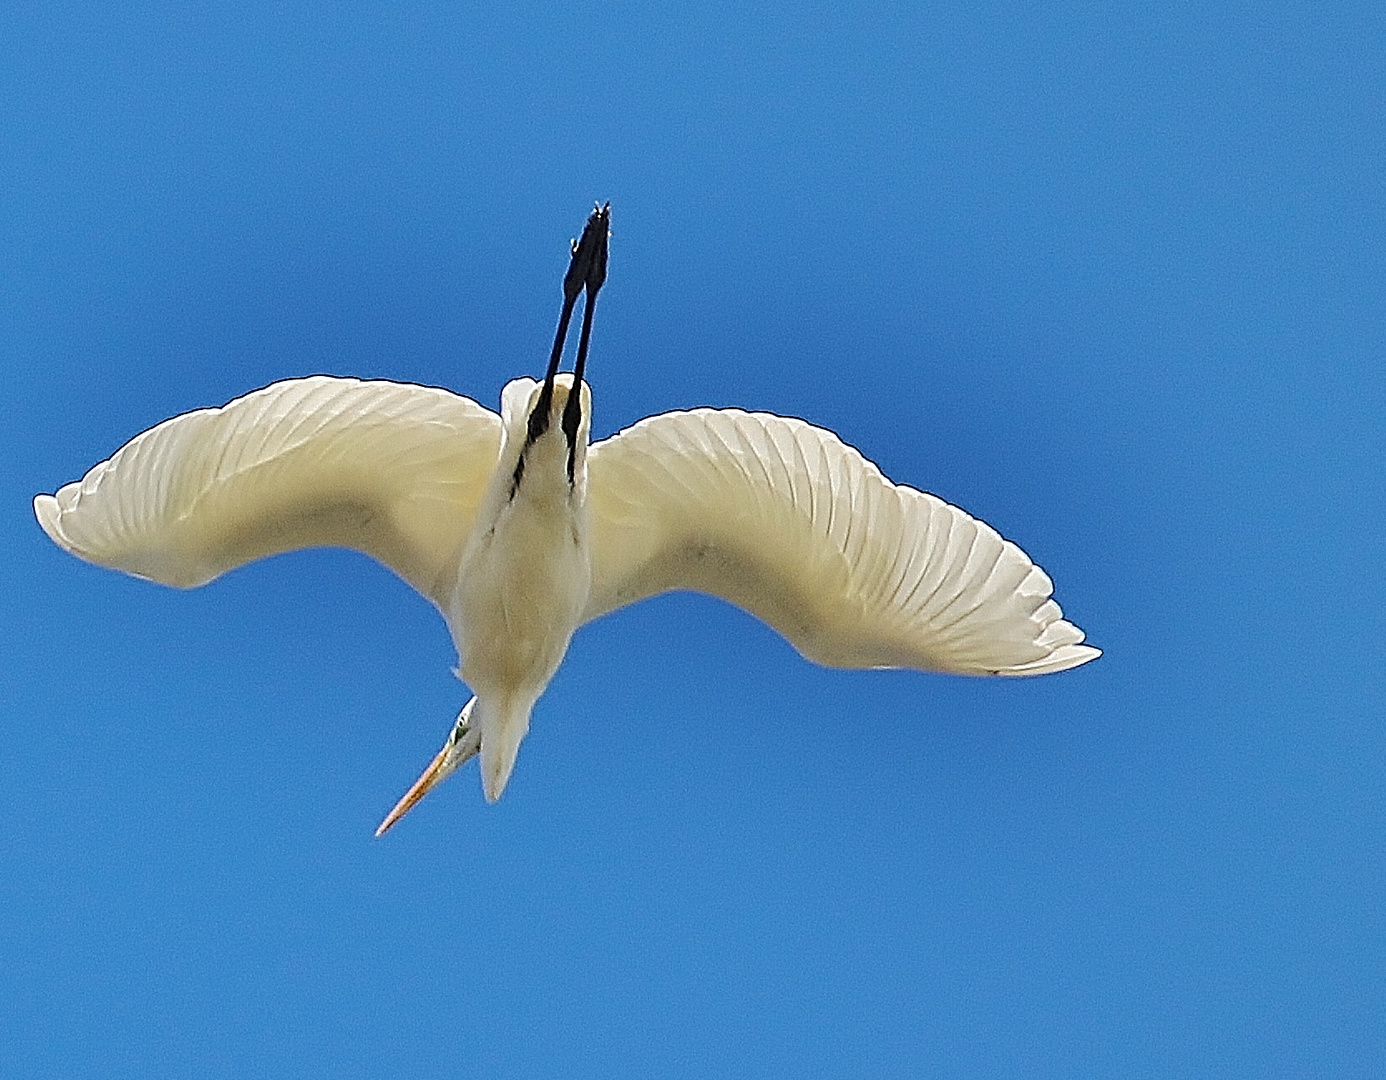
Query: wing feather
point(785, 520)
point(391, 469)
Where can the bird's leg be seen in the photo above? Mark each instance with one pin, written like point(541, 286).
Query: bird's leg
point(587, 251)
point(598, 224)
point(572, 410)
point(539, 418)
point(462, 744)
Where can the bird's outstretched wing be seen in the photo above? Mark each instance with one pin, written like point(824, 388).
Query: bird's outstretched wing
point(785, 520)
point(391, 469)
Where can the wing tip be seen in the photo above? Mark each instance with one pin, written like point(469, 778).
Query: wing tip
point(49, 513)
point(1061, 659)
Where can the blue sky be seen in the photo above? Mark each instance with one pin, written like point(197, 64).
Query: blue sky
point(1108, 276)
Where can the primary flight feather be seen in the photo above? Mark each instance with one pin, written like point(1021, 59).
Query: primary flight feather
point(519, 531)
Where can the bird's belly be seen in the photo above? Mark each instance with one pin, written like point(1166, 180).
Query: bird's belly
point(518, 600)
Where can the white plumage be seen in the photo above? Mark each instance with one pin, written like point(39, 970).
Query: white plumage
point(777, 516)
point(519, 532)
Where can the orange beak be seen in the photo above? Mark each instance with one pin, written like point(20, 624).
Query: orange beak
point(463, 744)
point(435, 772)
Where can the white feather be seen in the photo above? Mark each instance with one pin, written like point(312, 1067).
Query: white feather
point(391, 469)
point(484, 515)
point(786, 521)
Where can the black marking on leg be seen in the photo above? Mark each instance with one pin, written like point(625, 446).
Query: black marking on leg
point(599, 228)
point(539, 418)
point(572, 408)
point(588, 264)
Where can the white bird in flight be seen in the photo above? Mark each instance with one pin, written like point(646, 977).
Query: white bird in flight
point(519, 531)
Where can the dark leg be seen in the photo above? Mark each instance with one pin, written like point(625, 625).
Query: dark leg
point(596, 276)
point(588, 264)
point(539, 418)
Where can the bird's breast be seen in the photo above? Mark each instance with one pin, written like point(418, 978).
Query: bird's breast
point(521, 590)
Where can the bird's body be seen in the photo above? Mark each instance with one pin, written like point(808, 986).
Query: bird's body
point(520, 532)
point(523, 579)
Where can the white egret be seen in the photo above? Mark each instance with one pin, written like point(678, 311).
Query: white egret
point(520, 532)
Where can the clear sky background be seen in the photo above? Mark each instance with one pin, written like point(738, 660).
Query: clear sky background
point(1108, 276)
